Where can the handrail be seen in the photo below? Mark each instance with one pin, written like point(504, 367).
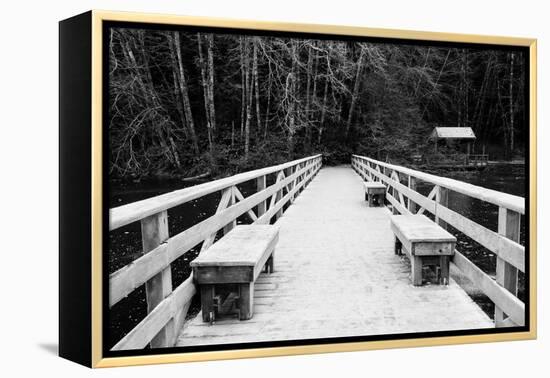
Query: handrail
point(509, 310)
point(167, 308)
point(132, 212)
point(508, 201)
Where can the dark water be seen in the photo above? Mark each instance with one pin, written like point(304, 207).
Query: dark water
point(125, 243)
point(504, 178)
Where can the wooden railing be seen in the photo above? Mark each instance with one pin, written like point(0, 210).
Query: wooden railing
point(166, 309)
point(454, 160)
point(405, 199)
point(478, 159)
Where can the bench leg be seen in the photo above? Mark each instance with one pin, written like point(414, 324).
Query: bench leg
point(416, 270)
point(444, 270)
point(207, 303)
point(398, 247)
point(246, 300)
point(271, 262)
point(366, 197)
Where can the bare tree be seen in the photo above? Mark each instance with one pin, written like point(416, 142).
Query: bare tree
point(248, 94)
point(256, 83)
point(180, 77)
point(294, 95)
point(356, 87)
point(207, 78)
point(511, 101)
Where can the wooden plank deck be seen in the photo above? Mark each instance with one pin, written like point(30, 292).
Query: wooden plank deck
point(336, 275)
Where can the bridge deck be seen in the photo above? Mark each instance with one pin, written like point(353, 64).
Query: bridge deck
point(336, 275)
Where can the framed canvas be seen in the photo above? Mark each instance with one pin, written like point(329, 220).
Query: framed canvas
point(235, 189)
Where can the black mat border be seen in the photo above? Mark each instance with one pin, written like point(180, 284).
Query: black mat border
point(106, 25)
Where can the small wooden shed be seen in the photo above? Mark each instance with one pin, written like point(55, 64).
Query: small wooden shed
point(452, 134)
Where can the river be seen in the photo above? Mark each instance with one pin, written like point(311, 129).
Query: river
point(507, 178)
point(125, 243)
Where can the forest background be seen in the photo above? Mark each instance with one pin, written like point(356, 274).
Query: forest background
point(184, 104)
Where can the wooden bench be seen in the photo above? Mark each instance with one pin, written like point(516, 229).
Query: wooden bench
point(426, 243)
point(226, 271)
point(375, 193)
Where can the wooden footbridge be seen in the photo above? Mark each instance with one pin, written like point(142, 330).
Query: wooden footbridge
point(336, 272)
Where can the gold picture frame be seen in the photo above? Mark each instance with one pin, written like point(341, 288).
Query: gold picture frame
point(96, 359)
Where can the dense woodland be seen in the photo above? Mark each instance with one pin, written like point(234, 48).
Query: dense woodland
point(186, 103)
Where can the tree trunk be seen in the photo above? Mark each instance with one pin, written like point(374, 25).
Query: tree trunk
point(511, 102)
point(206, 95)
point(268, 100)
point(460, 94)
point(308, 96)
point(248, 85)
point(256, 86)
point(183, 90)
point(478, 110)
point(323, 111)
point(179, 101)
point(292, 106)
point(324, 106)
point(211, 82)
point(313, 96)
point(243, 86)
point(356, 88)
point(466, 98)
point(505, 122)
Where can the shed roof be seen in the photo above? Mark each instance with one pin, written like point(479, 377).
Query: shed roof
point(453, 133)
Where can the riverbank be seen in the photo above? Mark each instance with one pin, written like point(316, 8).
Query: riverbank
point(507, 162)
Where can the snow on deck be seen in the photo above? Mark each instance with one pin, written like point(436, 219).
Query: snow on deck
point(336, 275)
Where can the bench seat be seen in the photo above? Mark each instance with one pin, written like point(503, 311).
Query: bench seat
point(375, 193)
point(236, 259)
point(425, 242)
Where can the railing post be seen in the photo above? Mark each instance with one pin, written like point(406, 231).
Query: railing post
point(154, 232)
point(279, 196)
point(294, 182)
point(394, 192)
point(369, 167)
point(412, 186)
point(442, 198)
point(231, 202)
point(297, 180)
point(318, 162)
point(302, 177)
point(260, 185)
point(290, 185)
point(506, 274)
